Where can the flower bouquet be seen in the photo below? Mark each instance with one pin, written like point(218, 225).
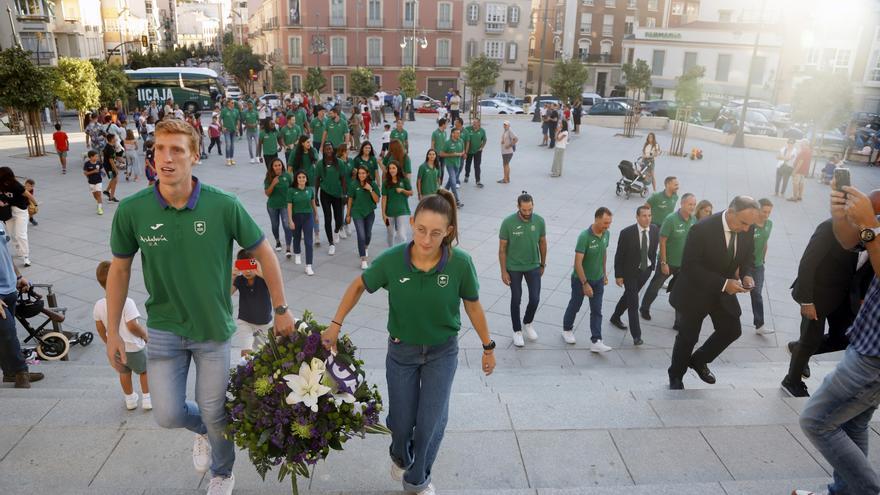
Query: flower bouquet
point(292, 401)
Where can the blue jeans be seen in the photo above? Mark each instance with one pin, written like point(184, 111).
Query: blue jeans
point(836, 418)
point(168, 359)
point(364, 229)
point(229, 137)
point(305, 225)
point(533, 282)
point(276, 216)
point(757, 298)
point(577, 299)
point(419, 384)
point(11, 359)
point(251, 141)
point(452, 168)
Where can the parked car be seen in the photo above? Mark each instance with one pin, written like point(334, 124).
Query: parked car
point(541, 100)
point(610, 107)
point(760, 106)
point(420, 100)
point(756, 123)
point(272, 100)
point(866, 119)
point(659, 108)
point(233, 92)
point(428, 107)
point(505, 97)
point(495, 107)
point(589, 99)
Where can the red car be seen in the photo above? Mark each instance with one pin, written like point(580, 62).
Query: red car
point(428, 107)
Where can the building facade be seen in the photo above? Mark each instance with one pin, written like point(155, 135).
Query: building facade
point(341, 35)
point(51, 28)
point(499, 30)
point(125, 25)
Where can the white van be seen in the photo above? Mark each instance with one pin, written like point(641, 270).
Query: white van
point(590, 99)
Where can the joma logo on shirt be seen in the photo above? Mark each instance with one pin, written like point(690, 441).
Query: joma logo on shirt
point(153, 240)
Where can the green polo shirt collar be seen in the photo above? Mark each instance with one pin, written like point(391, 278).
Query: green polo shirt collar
point(444, 258)
point(193, 197)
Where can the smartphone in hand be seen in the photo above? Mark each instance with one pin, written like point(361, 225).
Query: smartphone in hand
point(842, 178)
point(246, 264)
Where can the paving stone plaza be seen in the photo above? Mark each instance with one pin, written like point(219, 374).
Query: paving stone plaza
point(554, 419)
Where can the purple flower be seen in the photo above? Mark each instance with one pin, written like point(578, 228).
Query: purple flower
point(300, 356)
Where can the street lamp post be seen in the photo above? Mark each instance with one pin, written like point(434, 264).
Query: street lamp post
point(740, 140)
point(537, 115)
point(422, 42)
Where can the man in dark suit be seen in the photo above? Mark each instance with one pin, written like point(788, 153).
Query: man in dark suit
point(717, 264)
point(633, 264)
point(829, 287)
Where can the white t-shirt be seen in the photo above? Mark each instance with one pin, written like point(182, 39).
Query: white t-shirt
point(454, 102)
point(562, 140)
point(129, 312)
point(386, 137)
point(375, 104)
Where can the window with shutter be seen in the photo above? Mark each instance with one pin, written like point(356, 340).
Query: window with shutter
point(513, 15)
point(473, 13)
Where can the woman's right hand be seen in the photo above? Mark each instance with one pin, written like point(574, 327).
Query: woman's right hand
point(292, 226)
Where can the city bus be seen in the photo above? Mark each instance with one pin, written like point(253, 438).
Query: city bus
point(193, 88)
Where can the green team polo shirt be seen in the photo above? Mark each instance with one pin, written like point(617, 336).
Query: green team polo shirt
point(301, 199)
point(362, 203)
point(661, 206)
point(291, 133)
point(593, 248)
point(423, 307)
point(278, 198)
point(401, 136)
point(523, 254)
point(454, 146)
point(397, 204)
point(438, 140)
point(250, 117)
point(308, 166)
point(332, 177)
point(300, 116)
point(762, 235)
point(675, 229)
point(229, 118)
point(317, 126)
point(407, 163)
point(429, 177)
point(336, 131)
point(270, 142)
point(476, 139)
point(371, 164)
point(186, 256)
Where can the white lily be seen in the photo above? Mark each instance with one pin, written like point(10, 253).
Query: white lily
point(306, 387)
point(318, 366)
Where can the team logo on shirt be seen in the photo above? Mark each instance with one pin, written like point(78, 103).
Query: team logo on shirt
point(442, 280)
point(200, 227)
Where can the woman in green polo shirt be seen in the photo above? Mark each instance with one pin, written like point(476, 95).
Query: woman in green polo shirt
point(426, 281)
point(276, 187)
point(351, 182)
point(268, 145)
point(428, 179)
point(302, 214)
point(306, 159)
point(362, 201)
point(398, 153)
point(367, 158)
point(332, 186)
point(396, 191)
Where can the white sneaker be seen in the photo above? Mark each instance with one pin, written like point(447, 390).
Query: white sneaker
point(396, 471)
point(347, 229)
point(335, 237)
point(131, 401)
point(518, 339)
point(531, 334)
point(332, 250)
point(763, 330)
point(568, 337)
point(309, 270)
point(253, 160)
point(27, 261)
point(297, 259)
point(288, 254)
point(429, 490)
point(598, 346)
point(201, 453)
point(343, 234)
point(221, 486)
point(364, 265)
point(146, 403)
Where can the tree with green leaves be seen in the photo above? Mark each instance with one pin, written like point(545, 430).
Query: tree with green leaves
point(480, 73)
point(689, 89)
point(638, 77)
point(825, 100)
point(315, 83)
point(363, 84)
point(240, 60)
point(280, 82)
point(407, 81)
point(27, 89)
point(76, 85)
point(569, 77)
point(112, 82)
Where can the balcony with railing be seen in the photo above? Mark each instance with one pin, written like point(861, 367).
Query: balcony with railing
point(374, 22)
point(337, 20)
point(607, 30)
point(338, 59)
point(407, 23)
point(444, 23)
point(601, 58)
point(374, 59)
point(495, 27)
point(444, 61)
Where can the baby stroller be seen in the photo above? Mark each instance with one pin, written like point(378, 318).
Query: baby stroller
point(635, 178)
point(52, 343)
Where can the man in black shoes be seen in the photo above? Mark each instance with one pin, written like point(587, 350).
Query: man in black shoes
point(12, 362)
point(633, 264)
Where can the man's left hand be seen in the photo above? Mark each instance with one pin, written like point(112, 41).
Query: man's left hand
point(284, 324)
point(859, 209)
point(748, 282)
point(619, 281)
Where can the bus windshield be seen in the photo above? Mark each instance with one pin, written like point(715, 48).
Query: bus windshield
point(189, 87)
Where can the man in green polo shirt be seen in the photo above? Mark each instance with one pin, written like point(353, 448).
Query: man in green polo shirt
point(452, 152)
point(522, 254)
point(229, 118)
point(335, 130)
point(251, 118)
point(400, 134)
point(184, 231)
point(316, 127)
point(290, 134)
point(762, 234)
point(673, 234)
point(589, 279)
point(299, 113)
point(663, 202)
point(475, 140)
point(438, 142)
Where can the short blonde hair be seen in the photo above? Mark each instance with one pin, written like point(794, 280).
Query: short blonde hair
point(176, 126)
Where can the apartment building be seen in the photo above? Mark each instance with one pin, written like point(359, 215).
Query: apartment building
point(499, 30)
point(125, 23)
point(51, 28)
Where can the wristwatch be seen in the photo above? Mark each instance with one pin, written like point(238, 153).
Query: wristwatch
point(868, 235)
point(490, 346)
point(280, 310)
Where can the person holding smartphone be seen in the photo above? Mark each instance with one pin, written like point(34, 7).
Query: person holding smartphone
point(396, 191)
point(427, 280)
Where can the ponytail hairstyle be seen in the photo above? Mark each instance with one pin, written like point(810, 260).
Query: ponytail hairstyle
point(442, 203)
point(525, 197)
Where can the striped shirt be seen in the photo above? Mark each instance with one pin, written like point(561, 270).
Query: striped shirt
point(864, 334)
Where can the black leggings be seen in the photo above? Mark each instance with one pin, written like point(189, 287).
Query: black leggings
point(215, 141)
point(329, 203)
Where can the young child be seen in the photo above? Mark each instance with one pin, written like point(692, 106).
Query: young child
point(150, 162)
point(441, 112)
point(62, 146)
point(830, 166)
point(135, 337)
point(92, 171)
point(254, 308)
point(131, 167)
point(33, 207)
point(386, 140)
point(214, 134)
